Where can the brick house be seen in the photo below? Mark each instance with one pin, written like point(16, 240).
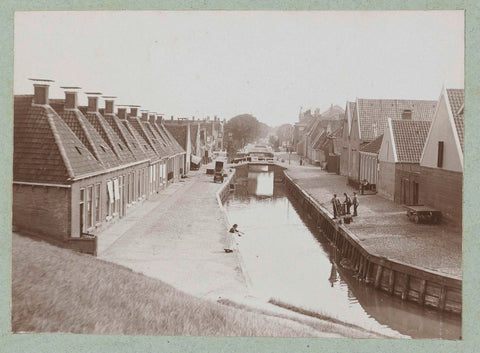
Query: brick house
point(181, 133)
point(399, 160)
point(441, 162)
point(370, 120)
point(75, 170)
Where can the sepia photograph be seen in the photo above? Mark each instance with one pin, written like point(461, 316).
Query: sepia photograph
point(238, 173)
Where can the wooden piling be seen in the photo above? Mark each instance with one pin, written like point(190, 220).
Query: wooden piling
point(421, 292)
point(378, 276)
point(406, 287)
point(442, 298)
point(391, 282)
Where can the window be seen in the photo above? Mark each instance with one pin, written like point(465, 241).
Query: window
point(89, 207)
point(440, 154)
point(78, 150)
point(97, 203)
point(82, 210)
point(111, 198)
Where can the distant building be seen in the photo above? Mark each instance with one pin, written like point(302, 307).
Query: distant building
point(347, 127)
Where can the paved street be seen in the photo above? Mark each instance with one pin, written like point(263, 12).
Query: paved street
point(383, 226)
point(179, 239)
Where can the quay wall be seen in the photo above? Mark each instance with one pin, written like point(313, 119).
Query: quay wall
point(410, 283)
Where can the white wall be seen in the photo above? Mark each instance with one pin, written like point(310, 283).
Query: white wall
point(442, 130)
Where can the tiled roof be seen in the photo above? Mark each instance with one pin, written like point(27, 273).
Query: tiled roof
point(374, 113)
point(179, 133)
point(144, 145)
point(161, 144)
point(45, 149)
point(142, 131)
point(164, 138)
point(374, 146)
point(82, 128)
point(334, 112)
point(127, 138)
point(175, 145)
point(320, 139)
point(113, 140)
point(409, 137)
point(456, 97)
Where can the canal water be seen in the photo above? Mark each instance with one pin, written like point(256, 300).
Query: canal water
point(289, 261)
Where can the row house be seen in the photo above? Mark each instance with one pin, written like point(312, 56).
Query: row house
point(370, 120)
point(347, 126)
point(399, 160)
point(369, 162)
point(206, 136)
point(78, 169)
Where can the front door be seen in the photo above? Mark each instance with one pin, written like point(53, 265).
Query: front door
point(415, 193)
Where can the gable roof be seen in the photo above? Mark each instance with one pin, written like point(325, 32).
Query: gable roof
point(45, 149)
point(456, 98)
point(374, 146)
point(179, 133)
point(373, 114)
point(139, 139)
point(165, 139)
point(174, 144)
point(107, 133)
point(89, 136)
point(409, 138)
point(127, 138)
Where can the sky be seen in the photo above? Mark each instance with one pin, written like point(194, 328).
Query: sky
point(225, 63)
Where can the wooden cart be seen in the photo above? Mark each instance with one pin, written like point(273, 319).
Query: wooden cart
point(423, 214)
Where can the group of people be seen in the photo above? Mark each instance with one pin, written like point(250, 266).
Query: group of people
point(341, 209)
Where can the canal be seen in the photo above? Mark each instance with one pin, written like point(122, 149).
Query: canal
point(290, 262)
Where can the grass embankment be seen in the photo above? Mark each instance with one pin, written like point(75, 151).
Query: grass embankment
point(57, 290)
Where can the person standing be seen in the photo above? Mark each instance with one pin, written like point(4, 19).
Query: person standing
point(347, 202)
point(355, 204)
point(335, 204)
point(231, 238)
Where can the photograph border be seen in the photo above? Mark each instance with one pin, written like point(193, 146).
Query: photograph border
point(122, 343)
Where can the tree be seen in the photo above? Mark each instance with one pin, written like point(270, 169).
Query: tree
point(243, 129)
point(284, 133)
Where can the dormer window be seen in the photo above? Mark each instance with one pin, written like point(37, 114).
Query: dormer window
point(441, 150)
point(78, 150)
point(407, 114)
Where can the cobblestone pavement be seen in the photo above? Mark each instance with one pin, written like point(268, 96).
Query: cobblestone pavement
point(178, 238)
point(383, 226)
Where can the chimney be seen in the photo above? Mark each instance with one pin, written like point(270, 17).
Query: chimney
point(40, 88)
point(92, 101)
point(71, 97)
point(407, 114)
point(109, 104)
point(134, 110)
point(144, 115)
point(122, 113)
point(171, 118)
point(152, 117)
point(160, 118)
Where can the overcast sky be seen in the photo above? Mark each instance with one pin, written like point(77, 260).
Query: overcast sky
point(268, 64)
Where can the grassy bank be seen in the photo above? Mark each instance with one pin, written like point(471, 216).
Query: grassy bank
point(57, 290)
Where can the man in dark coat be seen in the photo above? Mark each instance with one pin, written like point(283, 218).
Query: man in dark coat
point(347, 202)
point(335, 205)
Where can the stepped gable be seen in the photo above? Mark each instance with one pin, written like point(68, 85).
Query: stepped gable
point(106, 132)
point(142, 143)
point(373, 114)
point(456, 98)
point(374, 146)
point(89, 136)
point(409, 138)
point(45, 149)
point(126, 136)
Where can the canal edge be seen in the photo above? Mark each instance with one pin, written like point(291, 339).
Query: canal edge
point(409, 282)
point(221, 194)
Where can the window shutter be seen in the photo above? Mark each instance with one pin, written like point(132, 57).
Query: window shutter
point(440, 154)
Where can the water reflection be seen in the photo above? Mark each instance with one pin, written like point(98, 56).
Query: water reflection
point(288, 259)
